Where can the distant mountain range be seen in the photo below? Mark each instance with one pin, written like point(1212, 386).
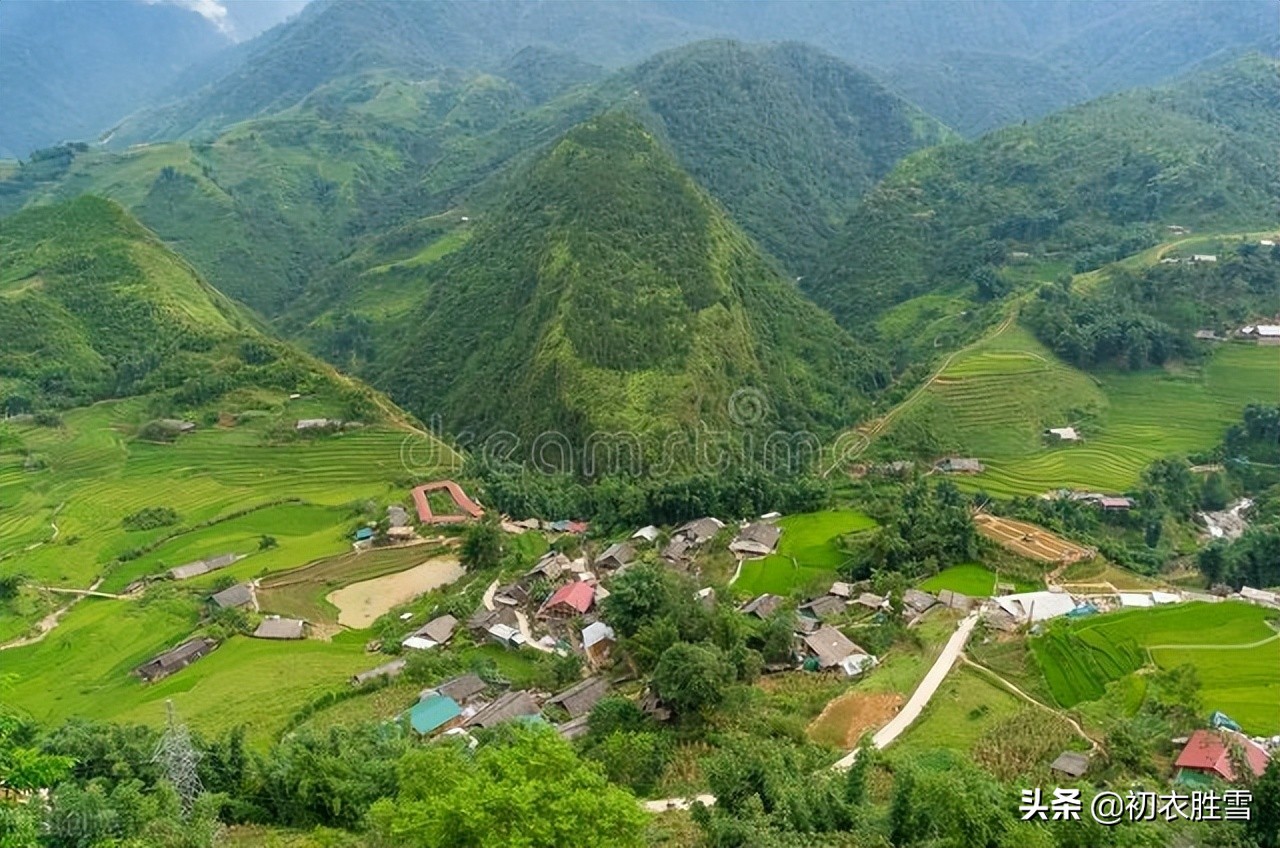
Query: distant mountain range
point(71, 70)
point(975, 65)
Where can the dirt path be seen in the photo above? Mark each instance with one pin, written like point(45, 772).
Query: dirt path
point(361, 604)
point(46, 625)
point(1024, 696)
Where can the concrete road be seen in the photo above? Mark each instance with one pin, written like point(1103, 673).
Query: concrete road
point(919, 698)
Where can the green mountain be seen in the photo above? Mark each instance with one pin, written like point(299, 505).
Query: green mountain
point(610, 293)
point(785, 136)
point(95, 307)
point(1080, 188)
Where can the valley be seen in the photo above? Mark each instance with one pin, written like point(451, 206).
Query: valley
point(438, 424)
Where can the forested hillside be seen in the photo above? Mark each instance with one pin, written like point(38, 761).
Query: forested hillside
point(94, 307)
point(1066, 52)
point(785, 136)
point(610, 293)
point(1086, 187)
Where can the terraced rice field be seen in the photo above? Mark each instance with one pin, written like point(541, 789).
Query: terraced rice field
point(1233, 648)
point(995, 401)
point(808, 551)
point(93, 475)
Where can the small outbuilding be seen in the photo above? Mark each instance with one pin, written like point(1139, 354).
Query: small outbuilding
point(958, 465)
point(462, 688)
point(1071, 763)
point(616, 557)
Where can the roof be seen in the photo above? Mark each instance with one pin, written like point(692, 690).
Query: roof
point(551, 564)
point(955, 600)
point(1037, 606)
point(391, 669)
point(1071, 763)
point(1210, 750)
point(364, 533)
point(1135, 599)
point(433, 713)
point(760, 533)
point(579, 596)
point(1260, 595)
point(1114, 502)
point(505, 632)
point(700, 529)
point(596, 632)
point(676, 549)
point(464, 503)
point(397, 516)
point(619, 553)
point(917, 600)
point(183, 653)
point(823, 606)
point(1067, 434)
point(438, 630)
point(581, 697)
point(959, 463)
point(463, 687)
point(762, 606)
point(312, 423)
point(483, 619)
point(279, 628)
point(830, 646)
point(867, 599)
point(202, 566)
point(648, 533)
point(239, 595)
point(841, 590)
point(575, 728)
point(508, 706)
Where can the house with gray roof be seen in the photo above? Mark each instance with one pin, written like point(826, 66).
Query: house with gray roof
point(830, 647)
point(958, 465)
point(462, 688)
point(280, 628)
point(507, 707)
point(579, 698)
point(757, 539)
point(202, 566)
point(763, 606)
point(164, 664)
point(233, 597)
point(823, 606)
point(616, 556)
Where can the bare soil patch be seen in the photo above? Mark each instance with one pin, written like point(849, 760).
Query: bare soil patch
point(1030, 540)
point(360, 604)
point(848, 717)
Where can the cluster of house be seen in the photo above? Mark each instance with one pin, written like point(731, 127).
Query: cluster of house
point(1263, 334)
point(1101, 500)
point(1216, 753)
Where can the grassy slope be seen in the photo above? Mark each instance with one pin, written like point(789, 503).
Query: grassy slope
point(995, 401)
point(808, 551)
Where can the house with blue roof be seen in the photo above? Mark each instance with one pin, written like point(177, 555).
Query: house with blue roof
point(433, 714)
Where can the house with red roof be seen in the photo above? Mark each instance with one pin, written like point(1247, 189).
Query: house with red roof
point(569, 600)
point(1209, 752)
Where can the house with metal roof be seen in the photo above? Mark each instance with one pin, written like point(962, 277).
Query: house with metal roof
point(433, 633)
point(433, 714)
point(569, 600)
point(616, 556)
point(823, 606)
point(762, 606)
point(598, 640)
point(462, 688)
point(1071, 763)
point(1210, 753)
point(830, 647)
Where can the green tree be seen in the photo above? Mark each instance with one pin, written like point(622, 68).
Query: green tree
point(525, 787)
point(1264, 826)
point(637, 596)
point(482, 545)
point(693, 679)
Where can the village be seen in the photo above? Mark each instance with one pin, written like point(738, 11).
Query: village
point(554, 609)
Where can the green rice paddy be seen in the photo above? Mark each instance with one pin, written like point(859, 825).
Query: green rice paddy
point(808, 551)
point(1233, 648)
point(995, 401)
